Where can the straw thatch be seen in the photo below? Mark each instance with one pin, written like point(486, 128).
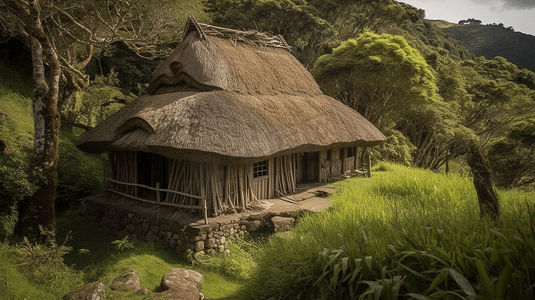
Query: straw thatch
point(228, 100)
point(243, 62)
point(217, 126)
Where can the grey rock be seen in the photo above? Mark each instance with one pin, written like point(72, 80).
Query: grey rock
point(180, 284)
point(151, 237)
point(155, 229)
point(199, 246)
point(253, 225)
point(282, 223)
point(128, 281)
point(91, 291)
point(210, 243)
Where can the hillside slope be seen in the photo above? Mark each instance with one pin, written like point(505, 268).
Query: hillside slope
point(79, 174)
point(495, 40)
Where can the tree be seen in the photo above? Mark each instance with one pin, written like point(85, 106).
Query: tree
point(391, 84)
point(311, 27)
point(499, 97)
point(62, 36)
point(513, 157)
point(487, 198)
point(380, 76)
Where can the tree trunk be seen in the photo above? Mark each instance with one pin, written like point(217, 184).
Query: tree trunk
point(37, 218)
point(480, 166)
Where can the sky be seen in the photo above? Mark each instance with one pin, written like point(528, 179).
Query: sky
point(517, 13)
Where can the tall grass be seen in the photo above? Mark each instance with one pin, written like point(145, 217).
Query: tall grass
point(403, 232)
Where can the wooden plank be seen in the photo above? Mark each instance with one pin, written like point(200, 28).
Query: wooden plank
point(154, 189)
point(152, 202)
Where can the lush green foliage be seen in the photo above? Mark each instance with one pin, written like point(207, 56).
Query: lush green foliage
point(380, 76)
point(16, 176)
point(427, 33)
point(403, 232)
point(79, 174)
point(311, 27)
point(392, 85)
point(513, 157)
point(234, 264)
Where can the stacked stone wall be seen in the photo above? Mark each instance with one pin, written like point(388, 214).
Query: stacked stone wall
point(152, 229)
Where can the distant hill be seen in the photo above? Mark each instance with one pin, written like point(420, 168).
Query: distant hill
point(441, 23)
point(429, 33)
point(496, 40)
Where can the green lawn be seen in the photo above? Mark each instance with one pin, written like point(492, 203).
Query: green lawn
point(402, 233)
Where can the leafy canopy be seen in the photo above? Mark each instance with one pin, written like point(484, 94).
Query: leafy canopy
point(380, 76)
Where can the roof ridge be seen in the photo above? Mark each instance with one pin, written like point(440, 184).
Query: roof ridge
point(251, 37)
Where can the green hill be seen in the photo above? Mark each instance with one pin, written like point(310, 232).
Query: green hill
point(496, 40)
point(441, 23)
point(429, 34)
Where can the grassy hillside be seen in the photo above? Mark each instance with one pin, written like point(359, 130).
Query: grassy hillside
point(403, 232)
point(441, 23)
point(494, 40)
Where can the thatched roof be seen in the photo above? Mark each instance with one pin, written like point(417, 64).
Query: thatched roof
point(222, 100)
point(211, 58)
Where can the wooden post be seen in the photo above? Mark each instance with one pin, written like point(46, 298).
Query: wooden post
point(356, 162)
point(158, 192)
point(369, 168)
point(205, 211)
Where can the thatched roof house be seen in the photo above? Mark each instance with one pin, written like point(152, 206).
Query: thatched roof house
point(231, 116)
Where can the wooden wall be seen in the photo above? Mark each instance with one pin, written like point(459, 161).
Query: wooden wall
point(285, 178)
point(233, 188)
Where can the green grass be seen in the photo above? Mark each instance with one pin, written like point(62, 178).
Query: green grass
point(15, 100)
point(403, 231)
point(17, 132)
point(103, 261)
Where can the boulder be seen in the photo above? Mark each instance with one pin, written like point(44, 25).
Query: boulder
point(91, 291)
point(282, 223)
point(128, 281)
point(180, 284)
point(254, 225)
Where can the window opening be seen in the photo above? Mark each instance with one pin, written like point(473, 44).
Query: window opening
point(260, 169)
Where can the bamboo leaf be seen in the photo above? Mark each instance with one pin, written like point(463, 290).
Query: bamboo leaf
point(417, 296)
point(354, 275)
point(440, 277)
point(439, 294)
point(503, 282)
point(415, 272)
point(344, 265)
point(368, 260)
point(377, 292)
point(334, 279)
point(485, 280)
point(367, 292)
point(463, 283)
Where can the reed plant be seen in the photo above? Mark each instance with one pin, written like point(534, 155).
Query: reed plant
point(404, 233)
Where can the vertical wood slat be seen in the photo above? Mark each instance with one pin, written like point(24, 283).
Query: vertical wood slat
point(271, 178)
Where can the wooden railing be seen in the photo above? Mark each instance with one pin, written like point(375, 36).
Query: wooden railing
point(158, 190)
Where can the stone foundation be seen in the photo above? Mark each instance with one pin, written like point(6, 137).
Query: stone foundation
point(162, 225)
